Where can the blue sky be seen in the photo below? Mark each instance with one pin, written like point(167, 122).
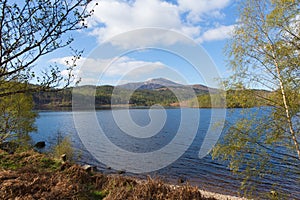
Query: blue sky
point(207, 22)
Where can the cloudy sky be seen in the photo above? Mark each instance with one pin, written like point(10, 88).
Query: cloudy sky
point(127, 30)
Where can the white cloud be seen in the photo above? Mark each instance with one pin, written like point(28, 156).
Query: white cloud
point(197, 8)
point(131, 67)
point(91, 70)
point(112, 17)
point(119, 16)
point(219, 33)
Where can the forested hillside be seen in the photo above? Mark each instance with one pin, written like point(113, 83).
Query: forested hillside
point(105, 96)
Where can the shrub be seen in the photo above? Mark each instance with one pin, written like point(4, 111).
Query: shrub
point(64, 146)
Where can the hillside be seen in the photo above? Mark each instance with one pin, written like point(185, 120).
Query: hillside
point(150, 84)
point(155, 91)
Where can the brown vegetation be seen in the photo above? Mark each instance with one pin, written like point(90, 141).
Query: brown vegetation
point(30, 175)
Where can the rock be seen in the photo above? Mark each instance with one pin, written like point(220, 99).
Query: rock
point(121, 171)
point(273, 193)
point(63, 157)
point(89, 168)
point(181, 180)
point(40, 144)
point(108, 167)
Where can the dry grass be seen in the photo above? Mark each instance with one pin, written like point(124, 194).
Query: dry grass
point(37, 177)
point(64, 146)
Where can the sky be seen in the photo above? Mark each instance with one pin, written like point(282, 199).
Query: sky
point(136, 40)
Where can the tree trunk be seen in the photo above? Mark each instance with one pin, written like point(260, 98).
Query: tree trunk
point(287, 110)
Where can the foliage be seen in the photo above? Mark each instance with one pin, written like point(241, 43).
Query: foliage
point(103, 97)
point(63, 146)
point(32, 29)
point(235, 98)
point(26, 159)
point(29, 30)
point(16, 117)
point(100, 194)
point(264, 53)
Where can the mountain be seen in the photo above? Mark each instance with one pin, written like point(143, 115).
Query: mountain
point(163, 84)
point(151, 84)
point(154, 91)
point(198, 88)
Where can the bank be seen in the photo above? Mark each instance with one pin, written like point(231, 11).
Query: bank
point(32, 175)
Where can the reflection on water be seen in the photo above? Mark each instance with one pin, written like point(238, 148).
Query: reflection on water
point(205, 172)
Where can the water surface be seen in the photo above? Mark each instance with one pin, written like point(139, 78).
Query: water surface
point(205, 172)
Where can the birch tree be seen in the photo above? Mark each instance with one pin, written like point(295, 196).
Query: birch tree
point(264, 54)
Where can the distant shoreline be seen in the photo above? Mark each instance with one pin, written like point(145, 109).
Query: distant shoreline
point(119, 106)
point(102, 107)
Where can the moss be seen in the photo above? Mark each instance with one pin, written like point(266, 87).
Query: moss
point(27, 158)
point(50, 163)
point(100, 194)
point(9, 162)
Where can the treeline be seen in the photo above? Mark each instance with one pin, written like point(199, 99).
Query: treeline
point(105, 96)
point(231, 99)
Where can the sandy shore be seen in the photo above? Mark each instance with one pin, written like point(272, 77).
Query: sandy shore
point(208, 194)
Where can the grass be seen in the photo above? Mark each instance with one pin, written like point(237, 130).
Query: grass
point(100, 194)
point(31, 175)
point(64, 146)
point(27, 159)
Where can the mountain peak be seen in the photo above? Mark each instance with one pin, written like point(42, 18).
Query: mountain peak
point(151, 84)
point(162, 81)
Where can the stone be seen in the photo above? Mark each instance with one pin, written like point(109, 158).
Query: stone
point(89, 168)
point(121, 171)
point(63, 157)
point(181, 180)
point(40, 144)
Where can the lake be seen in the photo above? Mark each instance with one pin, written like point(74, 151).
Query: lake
point(204, 172)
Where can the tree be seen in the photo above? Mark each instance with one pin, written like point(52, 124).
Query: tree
point(16, 117)
point(29, 30)
point(264, 53)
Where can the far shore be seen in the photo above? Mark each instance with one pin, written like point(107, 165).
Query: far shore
point(110, 107)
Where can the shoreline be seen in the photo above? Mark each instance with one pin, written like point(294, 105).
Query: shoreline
point(126, 106)
point(32, 175)
point(205, 193)
point(208, 194)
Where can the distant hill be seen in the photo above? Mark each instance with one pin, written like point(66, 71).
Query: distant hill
point(151, 84)
point(160, 84)
point(147, 93)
